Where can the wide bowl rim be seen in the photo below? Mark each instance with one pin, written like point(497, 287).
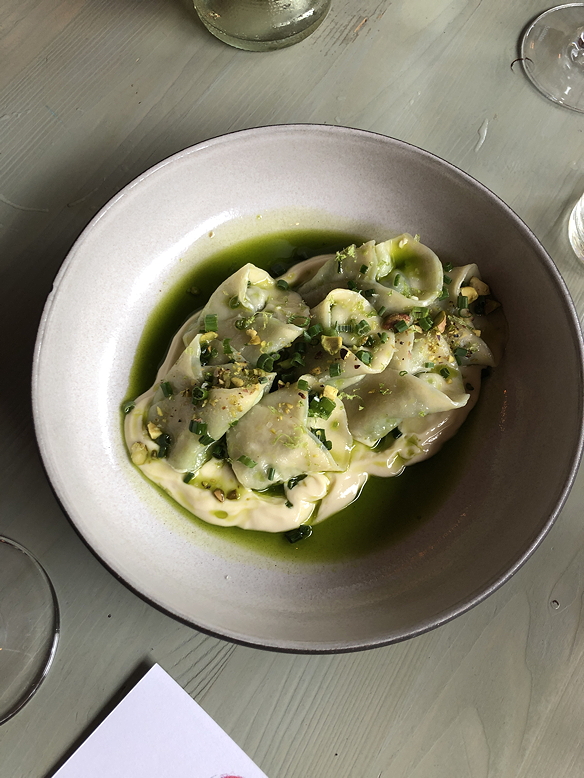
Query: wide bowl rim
point(331, 130)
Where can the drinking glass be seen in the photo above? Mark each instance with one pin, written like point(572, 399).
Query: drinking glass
point(552, 52)
point(29, 626)
point(576, 228)
point(260, 25)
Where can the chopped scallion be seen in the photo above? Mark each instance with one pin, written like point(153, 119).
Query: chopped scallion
point(303, 385)
point(234, 302)
point(363, 269)
point(198, 427)
point(396, 433)
point(247, 461)
point(298, 533)
point(227, 350)
point(462, 301)
point(426, 324)
point(284, 285)
point(403, 372)
point(335, 370)
point(188, 477)
point(447, 279)
point(315, 330)
point(271, 473)
point(363, 327)
point(199, 394)
point(428, 365)
point(443, 294)
point(445, 372)
point(211, 322)
point(400, 325)
point(368, 292)
point(382, 311)
point(364, 356)
point(206, 440)
point(448, 266)
point(166, 388)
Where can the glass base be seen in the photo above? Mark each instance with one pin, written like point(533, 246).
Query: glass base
point(262, 25)
point(29, 627)
point(552, 53)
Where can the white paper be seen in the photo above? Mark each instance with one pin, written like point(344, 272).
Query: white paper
point(159, 731)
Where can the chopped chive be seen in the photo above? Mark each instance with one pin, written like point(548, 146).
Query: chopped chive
point(281, 284)
point(316, 329)
point(397, 279)
point(188, 477)
point(277, 269)
point(383, 336)
point(327, 405)
point(396, 433)
point(227, 346)
point(199, 394)
point(211, 322)
point(219, 451)
point(363, 269)
point(206, 440)
point(328, 444)
point(403, 372)
point(234, 302)
point(128, 406)
point(448, 266)
point(400, 325)
point(321, 408)
point(303, 385)
point(265, 362)
point(462, 301)
point(428, 365)
point(445, 372)
point(335, 370)
point(288, 504)
point(426, 324)
point(320, 433)
point(460, 354)
point(198, 427)
point(299, 533)
point(271, 474)
point(297, 359)
point(247, 461)
point(443, 294)
point(166, 388)
point(301, 321)
point(352, 286)
point(447, 279)
point(382, 311)
point(345, 328)
point(368, 292)
point(295, 480)
point(363, 327)
point(364, 356)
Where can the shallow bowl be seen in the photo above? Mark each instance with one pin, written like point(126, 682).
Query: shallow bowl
point(498, 504)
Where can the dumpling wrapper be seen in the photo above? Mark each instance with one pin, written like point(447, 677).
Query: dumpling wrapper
point(271, 312)
point(275, 434)
point(223, 406)
point(378, 403)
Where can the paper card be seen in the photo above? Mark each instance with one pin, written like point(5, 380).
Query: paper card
point(159, 731)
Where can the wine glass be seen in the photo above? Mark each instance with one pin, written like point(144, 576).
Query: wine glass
point(29, 626)
point(552, 53)
point(261, 25)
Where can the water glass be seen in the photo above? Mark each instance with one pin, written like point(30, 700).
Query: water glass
point(260, 25)
point(576, 228)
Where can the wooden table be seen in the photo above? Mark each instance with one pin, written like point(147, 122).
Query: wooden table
point(92, 93)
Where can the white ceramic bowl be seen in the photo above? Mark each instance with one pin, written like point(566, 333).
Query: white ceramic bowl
point(499, 506)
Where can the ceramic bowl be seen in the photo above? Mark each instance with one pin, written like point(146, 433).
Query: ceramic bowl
point(499, 503)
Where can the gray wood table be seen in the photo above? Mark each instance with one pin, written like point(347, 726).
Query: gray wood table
point(92, 93)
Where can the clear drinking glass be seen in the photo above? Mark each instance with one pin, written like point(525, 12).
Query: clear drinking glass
point(552, 51)
point(261, 25)
point(576, 228)
point(29, 626)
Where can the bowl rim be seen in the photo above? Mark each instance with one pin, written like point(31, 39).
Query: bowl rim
point(340, 132)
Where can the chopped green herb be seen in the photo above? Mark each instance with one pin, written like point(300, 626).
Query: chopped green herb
point(211, 322)
point(363, 327)
point(188, 477)
point(426, 324)
point(364, 356)
point(315, 330)
point(284, 285)
point(265, 362)
point(220, 450)
point(288, 504)
point(198, 427)
point(462, 301)
point(328, 444)
point(382, 311)
point(403, 372)
point(206, 440)
point(400, 325)
point(247, 461)
point(352, 286)
point(234, 302)
point(368, 292)
point(166, 388)
point(444, 372)
point(321, 407)
point(443, 294)
point(345, 328)
point(448, 266)
point(447, 279)
point(396, 433)
point(303, 385)
point(128, 406)
point(383, 336)
point(243, 324)
point(271, 473)
point(299, 533)
point(335, 370)
point(297, 359)
point(300, 321)
point(363, 269)
point(428, 365)
point(199, 394)
point(295, 480)
point(227, 350)
point(460, 354)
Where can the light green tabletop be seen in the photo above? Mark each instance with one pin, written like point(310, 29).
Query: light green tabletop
point(92, 93)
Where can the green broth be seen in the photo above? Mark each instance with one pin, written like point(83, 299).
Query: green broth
point(385, 510)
